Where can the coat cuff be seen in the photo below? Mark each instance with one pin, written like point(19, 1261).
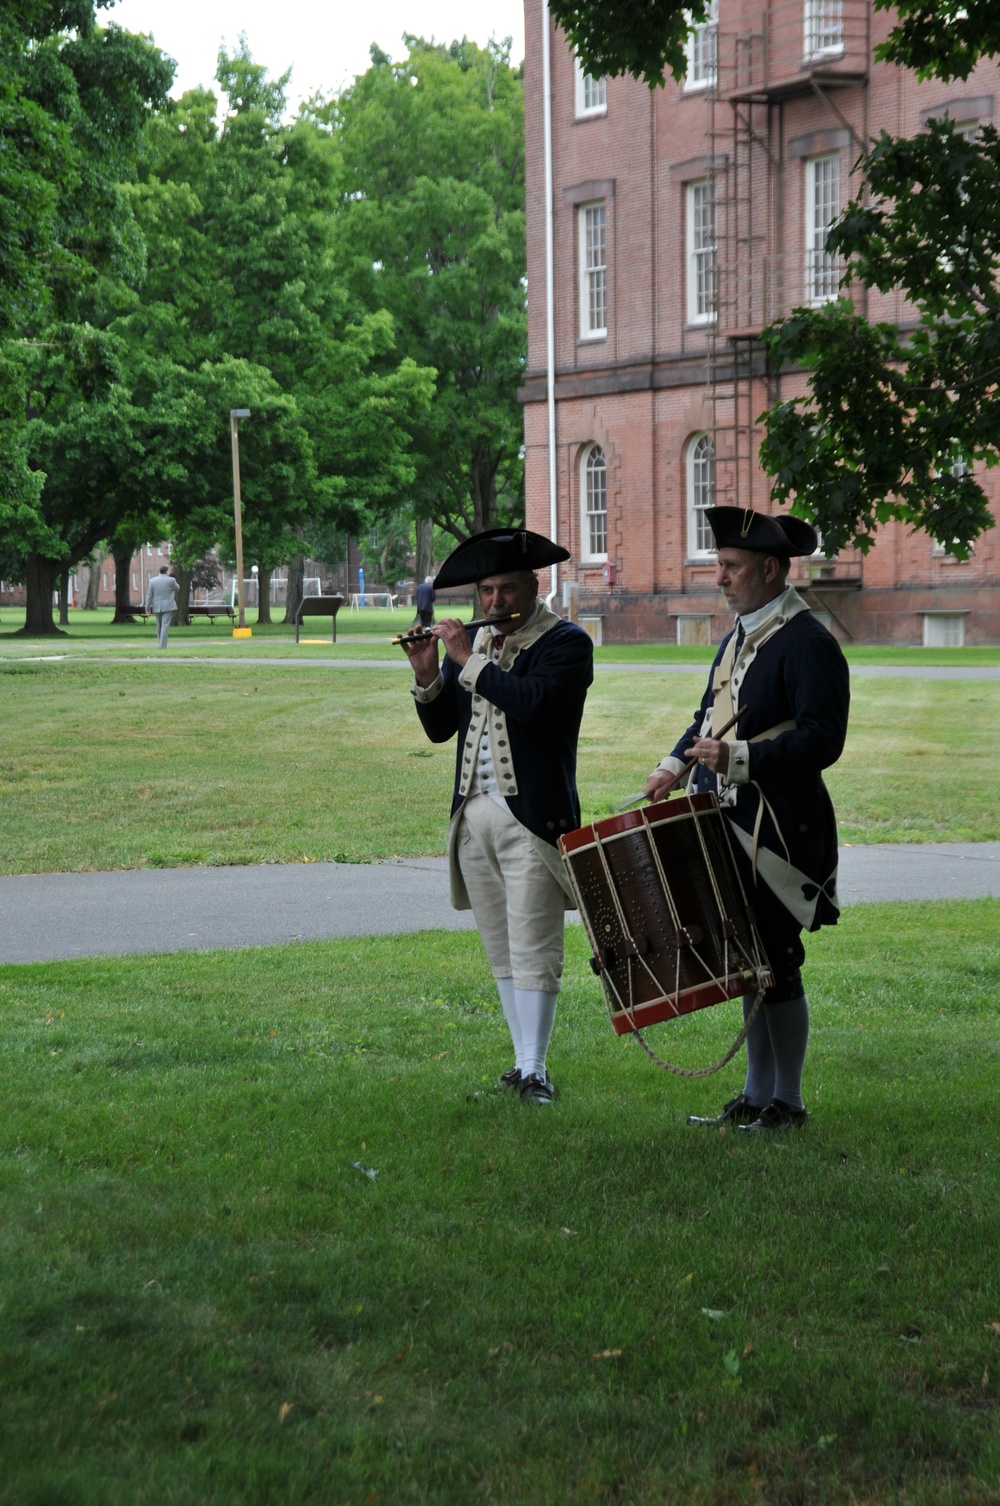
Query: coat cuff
point(739, 763)
point(670, 765)
point(423, 694)
point(471, 670)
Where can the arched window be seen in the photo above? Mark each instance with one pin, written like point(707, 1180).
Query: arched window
point(700, 495)
point(594, 503)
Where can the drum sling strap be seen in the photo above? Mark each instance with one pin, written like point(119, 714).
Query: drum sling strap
point(722, 712)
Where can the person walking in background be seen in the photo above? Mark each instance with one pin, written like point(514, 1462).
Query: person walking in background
point(161, 600)
point(426, 596)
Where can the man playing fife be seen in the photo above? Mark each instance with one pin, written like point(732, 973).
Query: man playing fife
point(514, 694)
point(788, 672)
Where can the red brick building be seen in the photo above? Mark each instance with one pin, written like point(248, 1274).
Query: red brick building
point(683, 220)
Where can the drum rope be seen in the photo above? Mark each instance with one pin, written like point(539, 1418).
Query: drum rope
point(626, 931)
point(691, 1072)
point(674, 913)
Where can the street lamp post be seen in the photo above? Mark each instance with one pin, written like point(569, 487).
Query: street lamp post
point(235, 414)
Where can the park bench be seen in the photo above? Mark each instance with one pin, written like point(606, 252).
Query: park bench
point(212, 610)
point(319, 606)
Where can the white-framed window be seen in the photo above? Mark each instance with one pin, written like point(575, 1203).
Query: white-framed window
point(700, 496)
point(700, 232)
point(824, 27)
point(594, 503)
point(590, 94)
point(135, 581)
point(822, 208)
point(593, 230)
point(702, 50)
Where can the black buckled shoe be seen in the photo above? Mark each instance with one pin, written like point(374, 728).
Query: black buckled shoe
point(537, 1088)
point(776, 1116)
point(738, 1110)
point(511, 1078)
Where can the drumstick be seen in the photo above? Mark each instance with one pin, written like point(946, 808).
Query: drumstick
point(419, 634)
point(623, 805)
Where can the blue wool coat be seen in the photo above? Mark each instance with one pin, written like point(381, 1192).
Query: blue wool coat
point(799, 674)
point(542, 695)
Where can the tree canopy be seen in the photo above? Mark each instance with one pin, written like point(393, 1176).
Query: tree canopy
point(894, 424)
point(74, 101)
point(431, 229)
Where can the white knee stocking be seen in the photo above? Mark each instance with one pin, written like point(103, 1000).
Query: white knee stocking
point(536, 1013)
point(505, 988)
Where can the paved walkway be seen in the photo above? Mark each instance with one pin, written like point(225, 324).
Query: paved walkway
point(47, 917)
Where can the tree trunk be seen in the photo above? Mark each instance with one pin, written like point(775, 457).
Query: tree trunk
point(484, 490)
point(40, 580)
point(296, 586)
point(183, 576)
point(122, 557)
point(263, 594)
point(425, 550)
point(94, 563)
point(64, 598)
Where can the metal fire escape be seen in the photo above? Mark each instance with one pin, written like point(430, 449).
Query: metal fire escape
point(817, 47)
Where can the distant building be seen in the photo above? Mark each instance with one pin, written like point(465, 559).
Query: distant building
point(684, 220)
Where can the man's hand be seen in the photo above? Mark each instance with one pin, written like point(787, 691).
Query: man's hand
point(455, 639)
point(423, 657)
point(710, 753)
point(659, 784)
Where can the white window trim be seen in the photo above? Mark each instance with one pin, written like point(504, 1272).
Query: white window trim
point(692, 251)
point(815, 237)
point(813, 23)
point(694, 550)
point(586, 555)
point(581, 109)
point(586, 331)
point(695, 51)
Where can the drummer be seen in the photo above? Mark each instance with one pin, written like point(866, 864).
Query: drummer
point(788, 672)
point(514, 694)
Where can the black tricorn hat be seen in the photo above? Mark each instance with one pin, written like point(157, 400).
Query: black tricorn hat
point(742, 528)
point(495, 552)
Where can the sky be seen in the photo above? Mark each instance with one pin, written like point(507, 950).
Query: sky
point(324, 42)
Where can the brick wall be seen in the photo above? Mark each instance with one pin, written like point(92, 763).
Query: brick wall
point(657, 379)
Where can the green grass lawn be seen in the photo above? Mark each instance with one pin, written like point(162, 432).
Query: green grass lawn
point(127, 765)
point(206, 1298)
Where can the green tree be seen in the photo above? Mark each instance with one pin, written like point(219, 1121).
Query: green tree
point(238, 222)
point(432, 230)
point(73, 107)
point(893, 425)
